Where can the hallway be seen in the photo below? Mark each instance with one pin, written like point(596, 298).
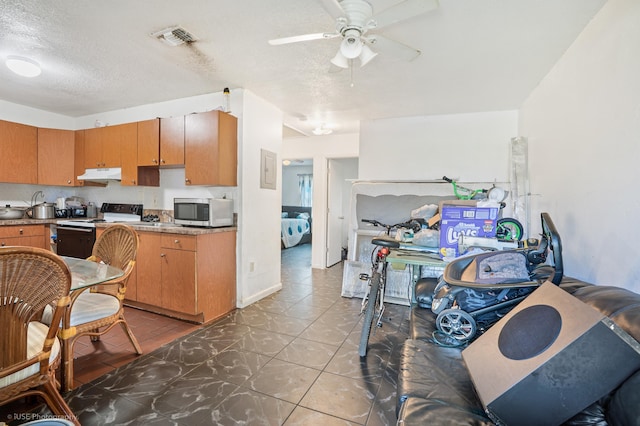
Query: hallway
point(290, 359)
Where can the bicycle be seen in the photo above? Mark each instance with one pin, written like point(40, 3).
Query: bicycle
point(373, 300)
point(507, 228)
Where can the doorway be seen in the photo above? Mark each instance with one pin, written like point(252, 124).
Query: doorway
point(297, 196)
point(340, 172)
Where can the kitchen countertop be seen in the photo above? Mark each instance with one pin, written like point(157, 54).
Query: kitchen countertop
point(160, 227)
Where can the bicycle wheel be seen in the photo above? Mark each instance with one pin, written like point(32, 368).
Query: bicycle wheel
point(509, 229)
point(369, 313)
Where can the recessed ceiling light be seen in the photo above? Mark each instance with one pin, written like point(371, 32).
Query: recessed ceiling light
point(23, 66)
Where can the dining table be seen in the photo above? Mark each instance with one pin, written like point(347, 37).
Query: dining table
point(84, 274)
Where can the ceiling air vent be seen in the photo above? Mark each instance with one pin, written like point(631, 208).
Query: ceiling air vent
point(174, 36)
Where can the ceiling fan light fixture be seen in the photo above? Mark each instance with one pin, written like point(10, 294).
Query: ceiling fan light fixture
point(23, 66)
point(351, 47)
point(321, 130)
point(367, 55)
point(340, 61)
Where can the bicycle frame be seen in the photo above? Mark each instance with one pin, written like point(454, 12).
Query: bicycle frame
point(463, 193)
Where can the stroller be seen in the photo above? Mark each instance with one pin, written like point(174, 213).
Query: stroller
point(476, 291)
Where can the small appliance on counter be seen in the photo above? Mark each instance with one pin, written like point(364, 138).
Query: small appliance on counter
point(203, 212)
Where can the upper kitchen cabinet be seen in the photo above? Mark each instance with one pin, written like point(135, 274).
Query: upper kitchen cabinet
point(211, 149)
point(133, 135)
point(60, 157)
point(149, 142)
point(103, 145)
point(172, 141)
point(161, 142)
point(18, 153)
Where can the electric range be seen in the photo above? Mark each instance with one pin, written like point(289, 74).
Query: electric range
point(111, 213)
point(75, 238)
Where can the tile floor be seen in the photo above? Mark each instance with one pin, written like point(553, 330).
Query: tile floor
point(289, 359)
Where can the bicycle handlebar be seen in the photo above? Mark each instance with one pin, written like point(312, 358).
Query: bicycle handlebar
point(389, 227)
point(447, 179)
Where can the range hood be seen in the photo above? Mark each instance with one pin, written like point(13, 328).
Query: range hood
point(102, 175)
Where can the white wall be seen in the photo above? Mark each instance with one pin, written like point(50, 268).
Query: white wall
point(291, 185)
point(320, 148)
point(469, 147)
point(583, 127)
point(259, 225)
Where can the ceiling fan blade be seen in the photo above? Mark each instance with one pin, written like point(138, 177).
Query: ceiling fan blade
point(386, 46)
point(333, 8)
point(305, 37)
point(403, 10)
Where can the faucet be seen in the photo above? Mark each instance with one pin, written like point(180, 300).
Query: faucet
point(35, 196)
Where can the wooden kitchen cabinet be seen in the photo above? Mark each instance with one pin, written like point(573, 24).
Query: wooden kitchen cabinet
point(103, 145)
point(132, 174)
point(161, 142)
point(186, 276)
point(18, 153)
point(60, 157)
point(172, 141)
point(211, 149)
point(148, 286)
point(23, 235)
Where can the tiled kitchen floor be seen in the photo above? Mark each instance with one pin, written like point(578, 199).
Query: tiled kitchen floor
point(290, 359)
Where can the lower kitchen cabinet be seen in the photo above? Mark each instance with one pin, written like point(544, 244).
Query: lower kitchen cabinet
point(190, 277)
point(24, 235)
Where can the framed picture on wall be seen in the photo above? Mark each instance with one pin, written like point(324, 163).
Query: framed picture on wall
point(268, 171)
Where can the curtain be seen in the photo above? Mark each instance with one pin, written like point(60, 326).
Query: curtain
point(306, 189)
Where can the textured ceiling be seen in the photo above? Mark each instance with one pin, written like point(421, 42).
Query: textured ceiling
point(97, 56)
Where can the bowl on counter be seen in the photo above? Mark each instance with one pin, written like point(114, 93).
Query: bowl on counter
point(12, 213)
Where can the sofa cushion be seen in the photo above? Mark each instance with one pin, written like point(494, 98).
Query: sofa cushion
point(423, 323)
point(434, 372)
point(619, 304)
point(420, 411)
point(624, 407)
point(424, 289)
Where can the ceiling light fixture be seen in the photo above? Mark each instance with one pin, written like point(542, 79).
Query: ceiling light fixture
point(321, 130)
point(286, 162)
point(351, 47)
point(23, 66)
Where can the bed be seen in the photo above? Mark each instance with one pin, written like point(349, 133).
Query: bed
point(296, 226)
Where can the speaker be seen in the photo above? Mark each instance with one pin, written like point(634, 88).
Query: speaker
point(548, 359)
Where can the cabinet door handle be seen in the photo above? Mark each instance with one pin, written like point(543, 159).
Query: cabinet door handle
point(21, 231)
point(68, 182)
point(2, 244)
point(162, 255)
point(154, 161)
point(187, 180)
point(162, 161)
point(176, 241)
point(133, 181)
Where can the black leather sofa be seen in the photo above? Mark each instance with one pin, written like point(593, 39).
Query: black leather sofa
point(435, 388)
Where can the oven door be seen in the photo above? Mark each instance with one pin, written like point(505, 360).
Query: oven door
point(75, 241)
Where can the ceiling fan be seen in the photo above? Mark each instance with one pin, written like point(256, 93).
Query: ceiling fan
point(354, 20)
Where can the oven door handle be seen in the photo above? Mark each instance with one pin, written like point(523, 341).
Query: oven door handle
point(70, 228)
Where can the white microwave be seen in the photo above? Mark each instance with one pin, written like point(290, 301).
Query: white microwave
point(203, 212)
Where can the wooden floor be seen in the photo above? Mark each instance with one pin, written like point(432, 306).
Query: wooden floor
point(94, 359)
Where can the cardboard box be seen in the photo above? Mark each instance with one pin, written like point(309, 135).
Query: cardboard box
point(464, 218)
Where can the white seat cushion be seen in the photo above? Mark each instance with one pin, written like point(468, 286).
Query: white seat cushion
point(92, 306)
point(36, 335)
point(88, 307)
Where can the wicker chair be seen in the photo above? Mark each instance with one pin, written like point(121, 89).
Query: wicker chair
point(30, 280)
point(94, 312)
